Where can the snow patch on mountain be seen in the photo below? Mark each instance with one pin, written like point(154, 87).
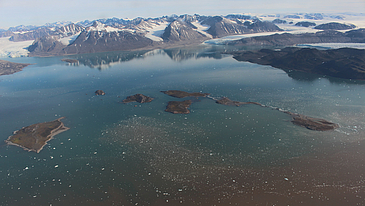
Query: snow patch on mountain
point(202, 29)
point(156, 31)
point(97, 26)
point(68, 40)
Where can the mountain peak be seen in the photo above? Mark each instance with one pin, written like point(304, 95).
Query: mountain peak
point(98, 26)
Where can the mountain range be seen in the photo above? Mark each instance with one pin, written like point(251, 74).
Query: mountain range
point(114, 34)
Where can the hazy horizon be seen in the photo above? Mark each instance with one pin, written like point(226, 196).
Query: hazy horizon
point(39, 12)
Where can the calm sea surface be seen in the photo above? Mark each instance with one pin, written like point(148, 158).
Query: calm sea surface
point(138, 154)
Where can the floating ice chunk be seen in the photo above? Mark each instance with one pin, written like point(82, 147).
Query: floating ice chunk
point(56, 166)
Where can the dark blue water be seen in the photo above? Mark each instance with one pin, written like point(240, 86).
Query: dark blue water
point(122, 154)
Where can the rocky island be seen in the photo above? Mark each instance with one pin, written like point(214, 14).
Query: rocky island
point(99, 92)
point(347, 63)
point(177, 107)
point(35, 137)
point(7, 67)
point(312, 123)
point(297, 119)
point(182, 94)
point(227, 101)
point(140, 98)
point(181, 107)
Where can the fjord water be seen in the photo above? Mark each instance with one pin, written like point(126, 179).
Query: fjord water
point(138, 154)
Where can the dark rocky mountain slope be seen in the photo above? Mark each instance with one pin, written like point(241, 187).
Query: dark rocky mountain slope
point(182, 31)
point(220, 26)
point(335, 26)
point(344, 63)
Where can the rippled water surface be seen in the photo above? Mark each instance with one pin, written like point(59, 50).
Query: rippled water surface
point(138, 154)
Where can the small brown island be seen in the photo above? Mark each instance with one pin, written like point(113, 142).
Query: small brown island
point(312, 123)
point(99, 92)
point(181, 107)
point(227, 101)
point(140, 98)
point(177, 107)
point(297, 119)
point(7, 67)
point(35, 137)
point(182, 94)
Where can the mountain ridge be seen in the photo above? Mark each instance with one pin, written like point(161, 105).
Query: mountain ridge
point(111, 34)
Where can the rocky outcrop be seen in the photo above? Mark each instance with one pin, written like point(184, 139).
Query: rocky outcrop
point(182, 94)
point(305, 24)
point(344, 63)
point(99, 92)
point(286, 39)
point(177, 107)
point(7, 67)
point(312, 123)
point(297, 119)
point(227, 101)
point(279, 21)
point(35, 137)
point(335, 26)
point(140, 98)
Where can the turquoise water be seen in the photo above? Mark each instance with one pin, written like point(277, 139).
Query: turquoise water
point(122, 154)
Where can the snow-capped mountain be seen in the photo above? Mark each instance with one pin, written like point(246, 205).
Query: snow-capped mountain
point(120, 34)
point(100, 38)
point(182, 31)
point(111, 34)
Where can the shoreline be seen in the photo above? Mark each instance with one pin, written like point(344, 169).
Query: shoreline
point(8, 68)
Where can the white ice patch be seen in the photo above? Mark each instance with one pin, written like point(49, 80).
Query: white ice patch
point(334, 45)
point(202, 29)
point(68, 40)
point(102, 27)
point(223, 40)
point(156, 32)
point(14, 49)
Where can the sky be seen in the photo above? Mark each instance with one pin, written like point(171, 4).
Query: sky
point(39, 12)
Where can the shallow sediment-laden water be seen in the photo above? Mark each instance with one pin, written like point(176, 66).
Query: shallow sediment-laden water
point(138, 154)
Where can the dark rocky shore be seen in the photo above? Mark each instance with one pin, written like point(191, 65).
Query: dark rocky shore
point(7, 67)
point(347, 63)
point(140, 98)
